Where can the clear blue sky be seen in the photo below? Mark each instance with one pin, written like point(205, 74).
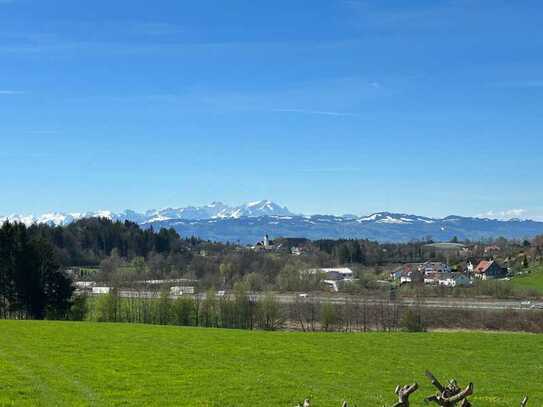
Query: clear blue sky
point(428, 107)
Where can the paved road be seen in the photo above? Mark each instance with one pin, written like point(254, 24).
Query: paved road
point(429, 302)
point(490, 304)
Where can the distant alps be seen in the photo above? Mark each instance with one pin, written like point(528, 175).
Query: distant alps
point(247, 223)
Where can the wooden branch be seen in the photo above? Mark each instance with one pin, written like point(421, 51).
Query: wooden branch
point(434, 381)
point(451, 395)
point(452, 400)
point(448, 396)
point(403, 394)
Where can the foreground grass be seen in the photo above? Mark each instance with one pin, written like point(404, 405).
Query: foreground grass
point(71, 364)
point(533, 280)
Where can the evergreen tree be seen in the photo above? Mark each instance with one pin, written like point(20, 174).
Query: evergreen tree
point(32, 284)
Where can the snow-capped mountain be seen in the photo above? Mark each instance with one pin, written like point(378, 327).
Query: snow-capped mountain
point(218, 210)
point(249, 222)
point(383, 227)
point(394, 218)
point(255, 209)
point(215, 210)
point(55, 218)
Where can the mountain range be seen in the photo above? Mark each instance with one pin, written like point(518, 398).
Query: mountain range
point(248, 223)
point(215, 210)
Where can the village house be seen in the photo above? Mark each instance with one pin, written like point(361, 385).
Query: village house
point(407, 273)
point(178, 291)
point(334, 277)
point(453, 280)
point(432, 267)
point(414, 276)
point(395, 275)
point(431, 273)
point(419, 272)
point(336, 274)
point(487, 270)
point(492, 249)
point(404, 270)
point(340, 273)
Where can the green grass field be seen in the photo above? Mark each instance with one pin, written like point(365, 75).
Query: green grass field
point(534, 280)
point(80, 364)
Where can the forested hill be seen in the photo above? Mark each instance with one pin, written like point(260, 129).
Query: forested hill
point(88, 241)
point(33, 260)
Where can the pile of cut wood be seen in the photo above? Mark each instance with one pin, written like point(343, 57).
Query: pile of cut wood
point(451, 395)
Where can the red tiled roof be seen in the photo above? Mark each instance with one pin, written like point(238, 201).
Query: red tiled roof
point(483, 266)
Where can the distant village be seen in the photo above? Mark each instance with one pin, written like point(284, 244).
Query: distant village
point(191, 266)
point(432, 273)
point(440, 274)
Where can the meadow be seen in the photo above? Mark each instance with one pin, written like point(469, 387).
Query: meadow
point(86, 364)
point(533, 280)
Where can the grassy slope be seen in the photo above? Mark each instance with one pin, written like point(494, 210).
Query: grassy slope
point(49, 363)
point(534, 280)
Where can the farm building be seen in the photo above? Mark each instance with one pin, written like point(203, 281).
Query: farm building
point(487, 270)
point(333, 277)
point(448, 280)
point(431, 267)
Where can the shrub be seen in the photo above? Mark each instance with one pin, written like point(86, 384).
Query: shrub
point(412, 321)
point(328, 316)
point(79, 309)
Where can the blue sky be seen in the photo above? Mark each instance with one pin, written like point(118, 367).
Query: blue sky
point(427, 107)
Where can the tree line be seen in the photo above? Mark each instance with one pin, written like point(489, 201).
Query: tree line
point(88, 241)
point(32, 284)
point(241, 310)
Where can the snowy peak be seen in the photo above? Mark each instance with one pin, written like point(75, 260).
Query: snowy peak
point(249, 222)
point(218, 210)
point(259, 208)
point(189, 212)
point(55, 218)
point(215, 210)
point(395, 219)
